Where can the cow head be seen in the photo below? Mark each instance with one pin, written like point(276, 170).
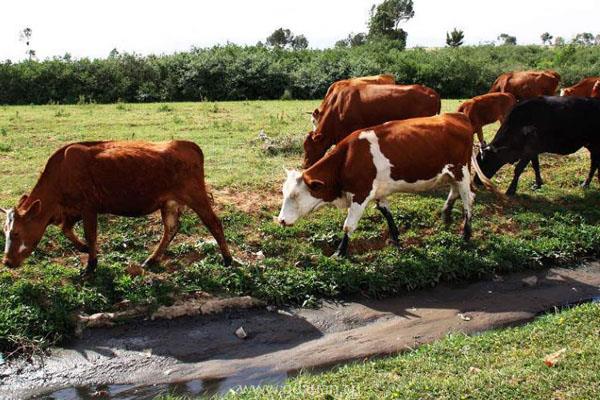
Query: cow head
point(298, 199)
point(491, 159)
point(23, 230)
point(566, 92)
point(315, 147)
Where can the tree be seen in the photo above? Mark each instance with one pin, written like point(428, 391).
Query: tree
point(455, 38)
point(507, 40)
point(559, 41)
point(546, 38)
point(25, 36)
point(584, 39)
point(597, 40)
point(280, 38)
point(353, 40)
point(283, 38)
point(299, 42)
point(386, 17)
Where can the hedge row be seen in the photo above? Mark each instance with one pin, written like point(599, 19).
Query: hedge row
point(247, 73)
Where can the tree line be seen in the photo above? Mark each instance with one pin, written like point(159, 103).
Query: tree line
point(234, 72)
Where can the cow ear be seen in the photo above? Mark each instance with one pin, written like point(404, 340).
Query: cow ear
point(34, 209)
point(315, 185)
point(22, 200)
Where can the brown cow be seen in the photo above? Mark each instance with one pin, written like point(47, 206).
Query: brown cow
point(384, 79)
point(82, 180)
point(583, 88)
point(356, 107)
point(370, 164)
point(596, 90)
point(527, 84)
point(487, 109)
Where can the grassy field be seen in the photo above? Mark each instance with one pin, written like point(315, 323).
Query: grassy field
point(554, 225)
point(503, 364)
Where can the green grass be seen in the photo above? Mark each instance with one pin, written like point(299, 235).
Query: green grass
point(502, 364)
point(552, 226)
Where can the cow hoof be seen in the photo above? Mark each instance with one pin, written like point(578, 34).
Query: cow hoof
point(585, 186)
point(339, 254)
point(511, 192)
point(227, 261)
point(535, 186)
point(394, 243)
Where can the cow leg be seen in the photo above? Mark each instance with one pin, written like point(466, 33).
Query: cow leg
point(480, 137)
point(90, 230)
point(447, 210)
point(170, 214)
point(535, 163)
point(512, 189)
point(384, 207)
point(201, 206)
point(467, 197)
point(355, 212)
point(595, 163)
point(67, 228)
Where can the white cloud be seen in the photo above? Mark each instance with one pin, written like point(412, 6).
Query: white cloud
point(93, 28)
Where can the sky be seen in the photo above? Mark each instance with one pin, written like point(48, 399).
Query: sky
point(92, 28)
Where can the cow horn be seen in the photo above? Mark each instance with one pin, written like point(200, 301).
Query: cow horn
point(4, 210)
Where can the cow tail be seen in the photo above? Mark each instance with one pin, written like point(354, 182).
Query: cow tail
point(487, 183)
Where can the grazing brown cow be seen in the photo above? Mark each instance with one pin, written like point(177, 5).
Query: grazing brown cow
point(582, 89)
point(356, 107)
point(384, 79)
point(527, 84)
point(487, 109)
point(82, 180)
point(370, 164)
point(596, 90)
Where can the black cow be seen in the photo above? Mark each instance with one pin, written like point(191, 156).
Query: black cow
point(559, 125)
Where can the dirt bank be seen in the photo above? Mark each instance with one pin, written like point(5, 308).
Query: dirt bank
point(206, 350)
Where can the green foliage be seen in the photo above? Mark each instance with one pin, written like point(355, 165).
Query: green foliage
point(455, 38)
point(507, 40)
point(245, 73)
point(385, 18)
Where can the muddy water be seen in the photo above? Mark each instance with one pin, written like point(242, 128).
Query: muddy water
point(202, 355)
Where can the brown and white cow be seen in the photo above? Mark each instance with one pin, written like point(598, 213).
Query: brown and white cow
point(414, 155)
point(596, 90)
point(383, 79)
point(356, 107)
point(582, 89)
point(527, 84)
point(82, 180)
point(487, 109)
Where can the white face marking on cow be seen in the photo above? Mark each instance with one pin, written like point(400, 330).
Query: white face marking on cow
point(297, 200)
point(314, 122)
point(8, 226)
point(562, 92)
point(22, 248)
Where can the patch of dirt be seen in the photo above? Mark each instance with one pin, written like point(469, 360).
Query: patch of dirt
point(251, 202)
point(275, 341)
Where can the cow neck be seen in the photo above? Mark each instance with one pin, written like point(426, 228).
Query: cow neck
point(329, 126)
point(46, 190)
point(328, 170)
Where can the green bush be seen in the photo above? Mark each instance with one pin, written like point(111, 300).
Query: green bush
point(251, 73)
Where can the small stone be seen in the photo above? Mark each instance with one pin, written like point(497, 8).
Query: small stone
point(241, 333)
point(259, 255)
point(271, 308)
point(464, 317)
point(474, 370)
